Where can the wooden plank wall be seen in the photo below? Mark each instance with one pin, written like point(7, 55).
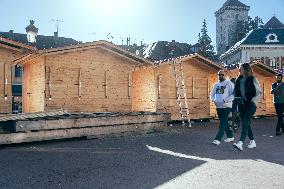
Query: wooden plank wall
point(197, 85)
point(92, 80)
point(213, 79)
point(33, 86)
point(265, 104)
point(144, 91)
point(6, 59)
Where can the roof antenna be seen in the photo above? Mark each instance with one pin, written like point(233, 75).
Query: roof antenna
point(57, 22)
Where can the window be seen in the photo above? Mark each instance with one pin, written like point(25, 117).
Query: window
point(18, 71)
point(282, 62)
point(271, 38)
point(267, 61)
point(262, 60)
point(277, 62)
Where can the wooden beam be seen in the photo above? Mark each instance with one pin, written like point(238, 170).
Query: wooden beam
point(263, 90)
point(129, 85)
point(49, 84)
point(79, 84)
point(208, 87)
point(13, 138)
point(71, 123)
point(5, 82)
point(159, 86)
point(193, 87)
point(105, 85)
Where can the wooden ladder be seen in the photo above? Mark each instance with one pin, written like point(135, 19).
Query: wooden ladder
point(181, 91)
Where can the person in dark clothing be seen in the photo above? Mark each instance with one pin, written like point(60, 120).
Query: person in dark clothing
point(277, 89)
point(247, 87)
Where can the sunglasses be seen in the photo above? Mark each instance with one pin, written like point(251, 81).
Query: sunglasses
point(220, 74)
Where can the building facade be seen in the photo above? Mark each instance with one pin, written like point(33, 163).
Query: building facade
point(265, 44)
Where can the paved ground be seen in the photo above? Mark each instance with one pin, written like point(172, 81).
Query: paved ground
point(178, 158)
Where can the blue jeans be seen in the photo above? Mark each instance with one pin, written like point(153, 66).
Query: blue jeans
point(247, 111)
point(223, 114)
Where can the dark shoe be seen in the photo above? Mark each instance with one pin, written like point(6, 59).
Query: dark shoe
point(278, 133)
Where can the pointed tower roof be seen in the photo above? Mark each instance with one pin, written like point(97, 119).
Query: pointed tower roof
point(232, 5)
point(31, 27)
point(235, 3)
point(274, 23)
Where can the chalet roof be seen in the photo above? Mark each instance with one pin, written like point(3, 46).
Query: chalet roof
point(274, 23)
point(83, 46)
point(161, 50)
point(232, 4)
point(8, 43)
point(191, 56)
point(42, 42)
point(253, 63)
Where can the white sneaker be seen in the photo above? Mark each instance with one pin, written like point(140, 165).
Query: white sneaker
point(238, 145)
point(252, 144)
point(216, 142)
point(229, 139)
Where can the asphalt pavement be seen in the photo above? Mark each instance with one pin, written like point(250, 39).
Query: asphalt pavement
point(177, 158)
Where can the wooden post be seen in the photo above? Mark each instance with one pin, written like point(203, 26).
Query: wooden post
point(49, 83)
point(105, 84)
point(5, 83)
point(208, 87)
point(129, 85)
point(263, 90)
point(79, 84)
point(159, 86)
point(192, 87)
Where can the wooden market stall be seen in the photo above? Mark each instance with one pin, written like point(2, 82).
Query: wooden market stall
point(265, 76)
point(89, 77)
point(9, 51)
point(199, 76)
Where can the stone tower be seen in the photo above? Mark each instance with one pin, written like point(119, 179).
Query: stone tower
point(228, 17)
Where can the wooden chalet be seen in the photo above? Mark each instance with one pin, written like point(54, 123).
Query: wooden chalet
point(89, 77)
point(9, 51)
point(199, 76)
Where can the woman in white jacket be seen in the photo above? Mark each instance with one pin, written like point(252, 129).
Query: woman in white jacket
point(222, 96)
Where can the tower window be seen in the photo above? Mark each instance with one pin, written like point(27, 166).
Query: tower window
point(271, 38)
point(18, 71)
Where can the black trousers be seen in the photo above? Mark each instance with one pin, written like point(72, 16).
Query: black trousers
point(247, 111)
point(223, 114)
point(279, 107)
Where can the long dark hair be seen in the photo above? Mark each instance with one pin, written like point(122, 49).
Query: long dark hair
point(248, 72)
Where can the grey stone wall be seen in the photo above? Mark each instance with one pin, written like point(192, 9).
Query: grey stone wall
point(226, 26)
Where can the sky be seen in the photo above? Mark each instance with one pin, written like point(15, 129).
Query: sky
point(141, 20)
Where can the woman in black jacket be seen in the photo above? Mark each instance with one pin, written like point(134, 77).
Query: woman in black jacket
point(247, 87)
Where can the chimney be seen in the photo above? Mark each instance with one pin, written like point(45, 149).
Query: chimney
point(55, 34)
point(31, 32)
point(11, 31)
